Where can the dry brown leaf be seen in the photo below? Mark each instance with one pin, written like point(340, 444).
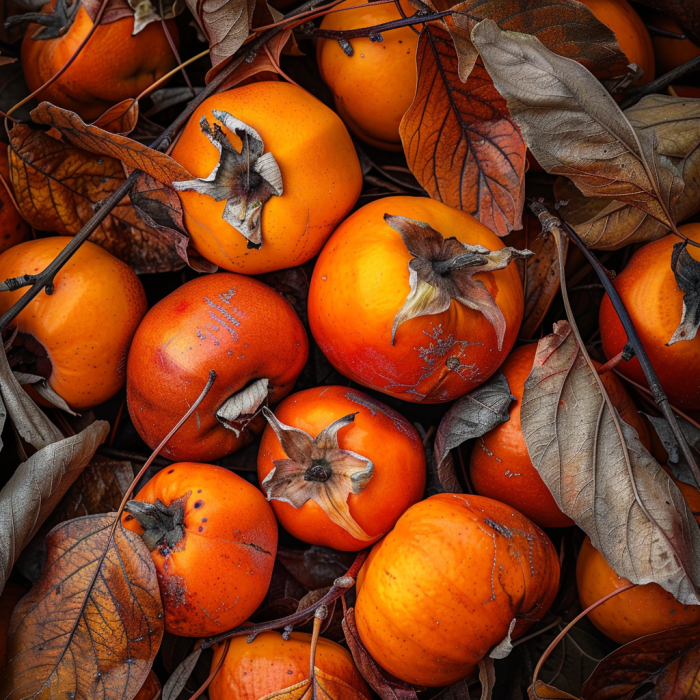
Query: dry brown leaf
point(92, 625)
point(574, 127)
point(57, 186)
point(115, 10)
point(37, 486)
point(322, 686)
point(121, 118)
point(539, 273)
point(91, 138)
point(544, 691)
point(612, 488)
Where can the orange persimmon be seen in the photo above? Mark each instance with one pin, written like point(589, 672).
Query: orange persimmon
point(78, 337)
point(369, 452)
point(373, 87)
point(500, 465)
point(445, 584)
point(303, 186)
point(213, 539)
point(113, 66)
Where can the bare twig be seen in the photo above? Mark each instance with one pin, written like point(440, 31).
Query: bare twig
point(661, 83)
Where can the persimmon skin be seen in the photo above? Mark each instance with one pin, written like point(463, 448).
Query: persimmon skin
point(269, 664)
point(629, 30)
point(13, 228)
point(219, 572)
point(86, 325)
point(111, 67)
point(431, 606)
point(500, 465)
point(235, 325)
point(321, 177)
point(373, 88)
point(648, 289)
point(360, 282)
point(379, 434)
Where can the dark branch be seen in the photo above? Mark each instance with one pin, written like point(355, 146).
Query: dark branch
point(661, 83)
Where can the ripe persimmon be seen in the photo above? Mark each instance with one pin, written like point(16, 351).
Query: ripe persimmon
point(500, 465)
point(213, 539)
point(78, 337)
point(13, 228)
point(239, 327)
point(670, 53)
point(113, 66)
point(648, 289)
point(374, 86)
point(428, 347)
point(445, 584)
point(299, 190)
point(629, 30)
point(358, 465)
point(270, 664)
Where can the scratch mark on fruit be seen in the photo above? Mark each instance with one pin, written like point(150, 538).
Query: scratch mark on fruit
point(256, 547)
point(400, 423)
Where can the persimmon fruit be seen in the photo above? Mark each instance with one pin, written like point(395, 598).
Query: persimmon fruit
point(360, 300)
point(235, 325)
point(114, 64)
point(629, 30)
point(374, 87)
point(270, 664)
point(213, 539)
point(78, 337)
point(319, 169)
point(445, 584)
point(13, 228)
point(500, 465)
point(376, 459)
point(648, 289)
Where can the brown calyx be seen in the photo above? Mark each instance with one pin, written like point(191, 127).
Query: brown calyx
point(29, 356)
point(163, 525)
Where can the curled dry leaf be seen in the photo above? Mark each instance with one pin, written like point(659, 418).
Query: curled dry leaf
point(57, 187)
point(37, 486)
point(178, 680)
point(487, 677)
point(246, 179)
point(318, 470)
point(115, 10)
point(676, 460)
point(146, 11)
point(669, 661)
point(315, 567)
point(470, 417)
point(92, 625)
point(386, 688)
point(603, 479)
point(543, 691)
point(674, 123)
point(687, 273)
point(121, 118)
point(92, 138)
point(574, 127)
point(41, 386)
point(442, 270)
point(238, 410)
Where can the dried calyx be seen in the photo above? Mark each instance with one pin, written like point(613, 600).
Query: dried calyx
point(687, 272)
point(163, 525)
point(53, 24)
point(146, 11)
point(318, 470)
point(442, 270)
point(245, 179)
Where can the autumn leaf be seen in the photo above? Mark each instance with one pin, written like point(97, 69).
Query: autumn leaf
point(686, 271)
point(544, 691)
point(574, 127)
point(665, 664)
point(92, 625)
point(470, 417)
point(57, 187)
point(91, 138)
point(459, 139)
point(121, 118)
point(676, 459)
point(36, 487)
point(114, 11)
point(607, 483)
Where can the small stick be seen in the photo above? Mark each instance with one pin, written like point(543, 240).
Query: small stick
point(661, 83)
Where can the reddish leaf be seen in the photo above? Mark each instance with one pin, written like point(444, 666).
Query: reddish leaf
point(459, 139)
point(669, 660)
point(542, 690)
point(121, 118)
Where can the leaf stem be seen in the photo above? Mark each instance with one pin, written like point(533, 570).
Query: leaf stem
point(661, 83)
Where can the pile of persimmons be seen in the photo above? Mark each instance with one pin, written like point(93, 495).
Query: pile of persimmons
point(336, 307)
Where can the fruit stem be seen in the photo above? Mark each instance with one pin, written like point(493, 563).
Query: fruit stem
point(320, 615)
point(657, 392)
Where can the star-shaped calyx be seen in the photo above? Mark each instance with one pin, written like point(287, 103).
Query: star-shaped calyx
point(318, 470)
point(245, 179)
point(52, 24)
point(442, 270)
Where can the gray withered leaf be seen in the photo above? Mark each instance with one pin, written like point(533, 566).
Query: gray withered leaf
point(246, 179)
point(442, 269)
point(318, 469)
point(470, 417)
point(676, 460)
point(602, 477)
point(574, 127)
point(687, 273)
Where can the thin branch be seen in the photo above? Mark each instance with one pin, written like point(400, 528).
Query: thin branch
point(661, 83)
